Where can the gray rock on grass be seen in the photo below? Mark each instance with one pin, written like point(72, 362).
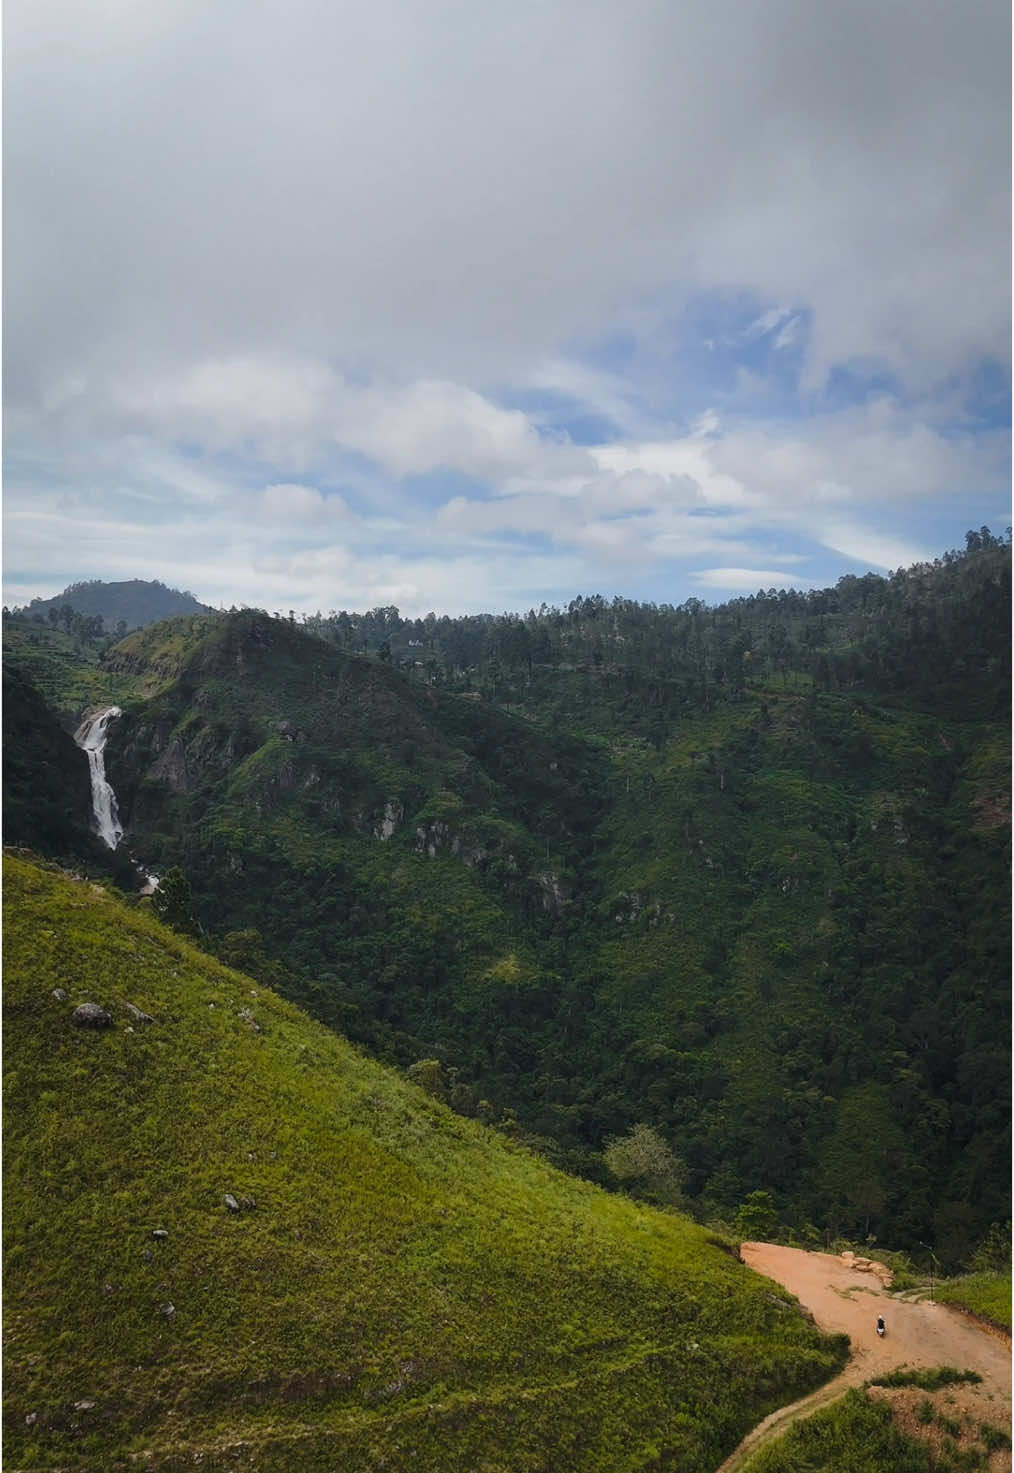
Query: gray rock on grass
point(90, 1015)
point(240, 1204)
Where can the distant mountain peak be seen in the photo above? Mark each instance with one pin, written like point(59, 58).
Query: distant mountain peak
point(135, 602)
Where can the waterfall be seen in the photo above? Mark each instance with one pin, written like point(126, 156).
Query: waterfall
point(91, 738)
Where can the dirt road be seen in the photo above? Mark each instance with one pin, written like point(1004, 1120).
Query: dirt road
point(918, 1335)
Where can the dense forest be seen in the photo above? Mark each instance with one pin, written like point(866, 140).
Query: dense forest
point(737, 877)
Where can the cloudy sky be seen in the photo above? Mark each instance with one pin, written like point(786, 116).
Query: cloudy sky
point(471, 304)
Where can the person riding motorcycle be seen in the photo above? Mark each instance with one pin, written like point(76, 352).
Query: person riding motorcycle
point(881, 1327)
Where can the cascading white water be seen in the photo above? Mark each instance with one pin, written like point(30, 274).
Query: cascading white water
point(91, 738)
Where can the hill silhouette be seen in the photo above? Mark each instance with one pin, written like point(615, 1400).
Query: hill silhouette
point(133, 603)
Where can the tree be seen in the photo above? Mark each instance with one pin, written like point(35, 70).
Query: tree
point(172, 901)
point(993, 1254)
point(643, 1160)
point(757, 1218)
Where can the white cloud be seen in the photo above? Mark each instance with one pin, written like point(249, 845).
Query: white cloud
point(299, 505)
point(788, 334)
point(436, 425)
point(767, 321)
point(447, 196)
point(749, 580)
point(875, 549)
point(254, 290)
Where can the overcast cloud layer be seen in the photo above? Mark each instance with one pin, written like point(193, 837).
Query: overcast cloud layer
point(463, 306)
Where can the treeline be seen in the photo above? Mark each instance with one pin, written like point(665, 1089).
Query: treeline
point(83, 628)
point(941, 622)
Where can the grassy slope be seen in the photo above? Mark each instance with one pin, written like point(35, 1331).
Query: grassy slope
point(409, 1286)
point(855, 1435)
point(985, 1294)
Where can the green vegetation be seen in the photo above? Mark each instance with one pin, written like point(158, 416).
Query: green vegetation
point(987, 1295)
point(737, 876)
point(927, 1380)
point(994, 1438)
point(393, 1283)
point(859, 1435)
point(65, 670)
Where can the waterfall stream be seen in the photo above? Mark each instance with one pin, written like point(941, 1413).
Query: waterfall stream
point(91, 738)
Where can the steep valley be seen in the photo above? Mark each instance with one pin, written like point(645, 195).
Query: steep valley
point(740, 875)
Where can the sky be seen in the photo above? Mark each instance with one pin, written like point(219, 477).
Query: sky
point(468, 305)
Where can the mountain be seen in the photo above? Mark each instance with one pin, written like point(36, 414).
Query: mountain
point(233, 1240)
point(121, 606)
point(740, 875)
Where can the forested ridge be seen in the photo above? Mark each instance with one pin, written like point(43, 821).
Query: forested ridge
point(739, 875)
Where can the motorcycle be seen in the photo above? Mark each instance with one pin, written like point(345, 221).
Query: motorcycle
point(881, 1327)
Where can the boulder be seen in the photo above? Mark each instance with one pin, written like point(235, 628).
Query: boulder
point(90, 1015)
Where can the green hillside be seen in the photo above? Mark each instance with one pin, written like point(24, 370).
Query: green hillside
point(64, 668)
point(398, 1288)
point(737, 874)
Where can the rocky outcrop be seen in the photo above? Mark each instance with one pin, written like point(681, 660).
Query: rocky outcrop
point(868, 1266)
point(555, 893)
point(387, 827)
point(631, 906)
point(439, 838)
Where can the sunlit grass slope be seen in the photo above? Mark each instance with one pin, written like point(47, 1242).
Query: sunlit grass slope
point(985, 1294)
point(409, 1291)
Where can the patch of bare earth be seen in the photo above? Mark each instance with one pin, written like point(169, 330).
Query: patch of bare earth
point(960, 1418)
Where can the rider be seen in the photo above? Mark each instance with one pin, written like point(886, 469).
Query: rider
point(881, 1327)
